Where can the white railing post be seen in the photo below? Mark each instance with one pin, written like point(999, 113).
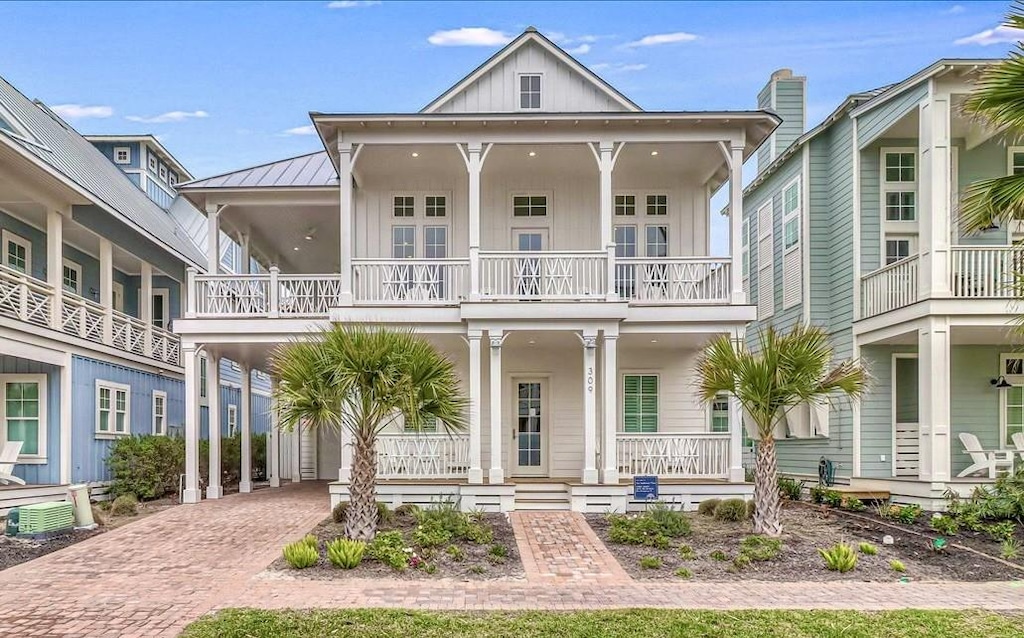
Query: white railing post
point(496, 475)
point(23, 298)
point(612, 294)
point(275, 293)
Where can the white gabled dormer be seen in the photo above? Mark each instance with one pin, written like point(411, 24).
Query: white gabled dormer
point(531, 75)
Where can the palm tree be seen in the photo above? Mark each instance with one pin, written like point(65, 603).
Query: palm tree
point(365, 378)
point(785, 371)
point(998, 99)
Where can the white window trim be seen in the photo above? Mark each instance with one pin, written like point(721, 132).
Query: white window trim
point(232, 419)
point(636, 205)
point(447, 207)
point(668, 204)
point(77, 268)
point(161, 395)
point(10, 236)
point(114, 388)
point(797, 215)
point(153, 162)
point(163, 172)
point(622, 398)
point(117, 299)
point(668, 237)
point(519, 91)
point(26, 459)
point(710, 412)
point(127, 150)
point(911, 249)
point(886, 187)
point(1010, 150)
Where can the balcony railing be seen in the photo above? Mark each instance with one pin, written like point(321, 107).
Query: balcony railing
point(410, 281)
point(556, 276)
point(673, 279)
point(889, 288)
point(986, 272)
point(32, 301)
point(422, 456)
point(673, 455)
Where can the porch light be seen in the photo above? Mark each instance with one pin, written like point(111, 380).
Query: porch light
point(415, 154)
point(532, 153)
point(654, 341)
point(1000, 383)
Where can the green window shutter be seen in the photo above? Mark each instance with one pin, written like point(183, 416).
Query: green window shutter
point(640, 403)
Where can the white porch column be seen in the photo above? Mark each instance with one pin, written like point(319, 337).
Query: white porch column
point(934, 387)
point(146, 304)
point(245, 480)
point(107, 288)
point(212, 239)
point(345, 471)
point(474, 156)
point(190, 361)
point(934, 194)
point(496, 475)
point(589, 340)
point(605, 165)
point(736, 222)
point(476, 473)
point(245, 267)
point(55, 266)
point(736, 473)
point(346, 158)
point(214, 489)
point(274, 457)
point(610, 392)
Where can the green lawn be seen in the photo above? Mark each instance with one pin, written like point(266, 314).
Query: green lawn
point(637, 623)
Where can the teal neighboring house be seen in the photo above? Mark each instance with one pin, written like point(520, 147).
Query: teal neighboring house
point(852, 225)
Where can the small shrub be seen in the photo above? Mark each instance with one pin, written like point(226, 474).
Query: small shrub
point(384, 515)
point(867, 549)
point(718, 555)
point(1010, 549)
point(839, 558)
point(741, 561)
point(650, 562)
point(790, 489)
point(389, 548)
point(854, 505)
point(760, 548)
point(683, 572)
point(498, 550)
point(455, 553)
point(818, 494)
point(124, 505)
point(897, 566)
point(430, 533)
point(311, 540)
point(339, 511)
point(707, 507)
point(345, 553)
point(638, 529)
point(98, 516)
point(478, 533)
point(686, 553)
point(670, 522)
point(833, 498)
point(945, 525)
point(300, 554)
point(908, 514)
point(1001, 531)
point(430, 568)
point(731, 509)
point(407, 510)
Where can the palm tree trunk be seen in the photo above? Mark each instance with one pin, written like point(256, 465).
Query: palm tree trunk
point(767, 503)
point(361, 517)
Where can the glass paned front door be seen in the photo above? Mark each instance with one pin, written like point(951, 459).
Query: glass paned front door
point(529, 450)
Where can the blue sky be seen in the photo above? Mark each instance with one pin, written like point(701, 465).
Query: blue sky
point(228, 85)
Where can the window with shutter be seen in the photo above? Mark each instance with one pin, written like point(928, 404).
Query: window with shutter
point(792, 260)
point(765, 263)
point(640, 403)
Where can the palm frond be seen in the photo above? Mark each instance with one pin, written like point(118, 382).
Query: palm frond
point(997, 95)
point(990, 202)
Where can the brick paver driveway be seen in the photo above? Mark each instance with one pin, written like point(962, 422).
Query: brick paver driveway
point(150, 578)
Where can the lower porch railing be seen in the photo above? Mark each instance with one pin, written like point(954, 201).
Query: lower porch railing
point(424, 456)
point(673, 455)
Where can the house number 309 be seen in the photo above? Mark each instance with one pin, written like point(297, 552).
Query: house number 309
point(590, 379)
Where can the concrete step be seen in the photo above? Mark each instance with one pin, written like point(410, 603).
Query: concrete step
point(542, 505)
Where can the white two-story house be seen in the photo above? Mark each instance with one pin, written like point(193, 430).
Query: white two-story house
point(541, 229)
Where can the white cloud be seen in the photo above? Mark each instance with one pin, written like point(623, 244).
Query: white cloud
point(170, 116)
point(955, 9)
point(300, 130)
point(662, 38)
point(469, 37)
point(999, 35)
point(81, 111)
point(580, 50)
point(351, 4)
point(617, 67)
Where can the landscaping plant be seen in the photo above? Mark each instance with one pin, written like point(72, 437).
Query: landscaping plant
point(854, 505)
point(791, 489)
point(782, 372)
point(683, 572)
point(390, 549)
point(839, 558)
point(1010, 549)
point(301, 554)
point(707, 506)
point(363, 378)
point(867, 549)
point(945, 525)
point(686, 553)
point(124, 505)
point(760, 548)
point(338, 512)
point(345, 553)
point(897, 566)
point(732, 510)
point(650, 562)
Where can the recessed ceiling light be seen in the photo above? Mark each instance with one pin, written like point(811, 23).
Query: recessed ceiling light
point(295, 248)
point(415, 154)
point(532, 342)
point(532, 154)
point(654, 341)
point(654, 153)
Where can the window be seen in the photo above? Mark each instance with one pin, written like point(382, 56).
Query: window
point(113, 401)
point(899, 166)
point(720, 413)
point(792, 258)
point(765, 262)
point(159, 413)
point(404, 206)
point(161, 308)
point(435, 242)
point(72, 277)
point(24, 413)
point(625, 274)
point(900, 206)
point(657, 241)
point(1012, 365)
point(1013, 414)
point(530, 206)
point(17, 252)
point(202, 378)
point(657, 204)
point(896, 249)
point(640, 403)
point(152, 162)
point(403, 242)
point(529, 91)
point(232, 419)
point(435, 206)
point(1015, 160)
point(118, 296)
point(122, 155)
point(791, 214)
point(163, 173)
point(173, 179)
point(625, 204)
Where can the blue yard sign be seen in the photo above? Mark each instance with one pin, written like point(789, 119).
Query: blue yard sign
point(645, 488)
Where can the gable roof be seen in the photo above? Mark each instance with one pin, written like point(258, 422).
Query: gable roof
point(58, 147)
point(531, 35)
point(304, 171)
point(146, 138)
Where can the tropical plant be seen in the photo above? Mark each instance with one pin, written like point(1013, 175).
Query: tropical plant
point(783, 371)
point(839, 558)
point(867, 549)
point(345, 553)
point(301, 554)
point(365, 378)
point(1010, 549)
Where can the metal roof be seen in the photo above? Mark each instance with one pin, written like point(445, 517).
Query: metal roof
point(304, 171)
point(59, 146)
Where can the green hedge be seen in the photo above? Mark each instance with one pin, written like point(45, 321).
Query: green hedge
point(148, 466)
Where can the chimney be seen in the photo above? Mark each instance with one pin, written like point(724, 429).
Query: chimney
point(786, 95)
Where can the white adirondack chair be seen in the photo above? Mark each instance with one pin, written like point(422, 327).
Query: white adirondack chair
point(8, 457)
point(984, 460)
point(1018, 442)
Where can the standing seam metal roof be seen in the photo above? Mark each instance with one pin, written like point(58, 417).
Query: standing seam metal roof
point(311, 170)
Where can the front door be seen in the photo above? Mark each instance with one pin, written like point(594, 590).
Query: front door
point(528, 269)
point(529, 447)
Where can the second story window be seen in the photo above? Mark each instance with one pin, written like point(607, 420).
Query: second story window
point(625, 205)
point(529, 91)
point(153, 163)
point(530, 206)
point(896, 249)
point(900, 206)
point(435, 242)
point(435, 206)
point(163, 173)
point(72, 277)
point(17, 252)
point(657, 204)
point(791, 214)
point(173, 179)
point(122, 155)
point(403, 242)
point(657, 241)
point(404, 206)
point(900, 167)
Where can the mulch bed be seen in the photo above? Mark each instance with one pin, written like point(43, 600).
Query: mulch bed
point(14, 551)
point(805, 530)
point(477, 564)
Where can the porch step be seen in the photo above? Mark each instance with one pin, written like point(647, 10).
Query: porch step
point(542, 496)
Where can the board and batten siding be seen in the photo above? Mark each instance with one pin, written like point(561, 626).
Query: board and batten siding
point(49, 472)
point(563, 89)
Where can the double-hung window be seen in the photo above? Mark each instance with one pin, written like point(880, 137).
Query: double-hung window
point(113, 403)
point(17, 252)
point(720, 413)
point(71, 278)
point(792, 259)
point(23, 411)
point(232, 419)
point(529, 91)
point(640, 403)
point(159, 413)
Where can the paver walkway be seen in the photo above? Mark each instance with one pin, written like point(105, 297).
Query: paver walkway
point(562, 545)
point(152, 577)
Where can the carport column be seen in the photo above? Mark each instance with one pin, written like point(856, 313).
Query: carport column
point(736, 222)
point(245, 481)
point(345, 161)
point(55, 266)
point(190, 361)
point(107, 288)
point(214, 489)
point(496, 475)
point(274, 460)
point(933, 381)
point(610, 392)
point(589, 340)
point(212, 239)
point(934, 195)
point(476, 473)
